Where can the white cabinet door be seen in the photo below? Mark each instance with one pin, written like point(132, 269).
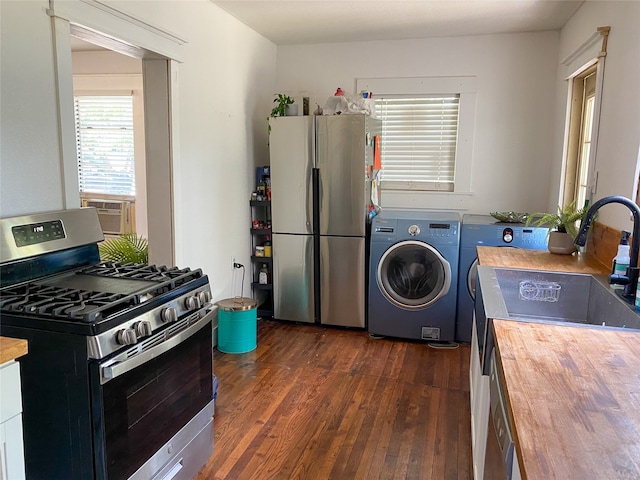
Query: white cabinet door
point(10, 398)
point(515, 473)
point(11, 450)
point(480, 406)
point(11, 442)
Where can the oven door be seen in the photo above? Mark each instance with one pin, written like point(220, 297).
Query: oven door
point(145, 396)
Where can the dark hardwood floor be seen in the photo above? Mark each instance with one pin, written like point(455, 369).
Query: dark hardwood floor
point(317, 403)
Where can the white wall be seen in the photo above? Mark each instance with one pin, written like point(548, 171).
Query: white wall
point(224, 89)
point(619, 135)
point(105, 62)
point(515, 107)
point(30, 166)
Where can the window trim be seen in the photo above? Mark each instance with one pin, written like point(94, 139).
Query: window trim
point(591, 52)
point(466, 87)
point(574, 135)
point(567, 191)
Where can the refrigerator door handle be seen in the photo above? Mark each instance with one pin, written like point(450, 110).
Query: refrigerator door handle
point(315, 179)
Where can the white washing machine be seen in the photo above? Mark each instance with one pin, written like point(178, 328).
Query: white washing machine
point(413, 271)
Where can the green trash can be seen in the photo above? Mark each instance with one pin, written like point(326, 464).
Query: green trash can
point(237, 325)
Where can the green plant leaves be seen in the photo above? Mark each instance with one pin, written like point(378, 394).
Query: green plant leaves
point(564, 220)
point(127, 248)
point(281, 102)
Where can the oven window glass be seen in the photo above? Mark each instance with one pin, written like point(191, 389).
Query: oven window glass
point(145, 407)
point(413, 275)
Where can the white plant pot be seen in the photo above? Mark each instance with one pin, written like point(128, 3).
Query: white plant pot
point(561, 243)
point(291, 110)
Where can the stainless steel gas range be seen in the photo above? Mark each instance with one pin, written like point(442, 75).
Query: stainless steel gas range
point(117, 383)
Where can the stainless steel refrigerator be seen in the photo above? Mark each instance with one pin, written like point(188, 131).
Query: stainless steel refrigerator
point(321, 171)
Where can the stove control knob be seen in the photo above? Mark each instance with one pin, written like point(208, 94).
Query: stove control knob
point(192, 303)
point(169, 315)
point(205, 297)
point(143, 328)
point(126, 336)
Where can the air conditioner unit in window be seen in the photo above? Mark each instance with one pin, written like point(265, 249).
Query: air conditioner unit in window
point(116, 217)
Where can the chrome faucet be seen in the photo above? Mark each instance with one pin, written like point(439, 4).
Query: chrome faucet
point(630, 279)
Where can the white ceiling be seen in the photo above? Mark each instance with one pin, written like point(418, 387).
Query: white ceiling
point(293, 22)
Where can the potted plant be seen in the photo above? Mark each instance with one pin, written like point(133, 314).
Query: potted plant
point(127, 248)
point(283, 103)
point(563, 227)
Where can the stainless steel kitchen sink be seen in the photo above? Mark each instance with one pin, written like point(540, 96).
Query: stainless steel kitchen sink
point(563, 297)
point(571, 299)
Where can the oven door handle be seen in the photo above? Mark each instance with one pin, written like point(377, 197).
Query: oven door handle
point(115, 370)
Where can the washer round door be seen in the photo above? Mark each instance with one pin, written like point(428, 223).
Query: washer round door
point(471, 279)
point(413, 275)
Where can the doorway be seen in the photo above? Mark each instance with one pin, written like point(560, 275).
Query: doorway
point(109, 120)
point(154, 187)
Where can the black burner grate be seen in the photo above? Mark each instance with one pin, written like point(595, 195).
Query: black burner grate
point(47, 299)
point(174, 275)
point(82, 305)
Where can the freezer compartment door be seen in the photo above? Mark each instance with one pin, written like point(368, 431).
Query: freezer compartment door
point(342, 179)
point(342, 281)
point(293, 274)
point(291, 149)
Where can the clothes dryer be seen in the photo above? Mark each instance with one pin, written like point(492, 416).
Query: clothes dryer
point(413, 270)
point(484, 230)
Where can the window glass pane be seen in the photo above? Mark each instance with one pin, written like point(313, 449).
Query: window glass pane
point(419, 137)
point(104, 136)
point(585, 149)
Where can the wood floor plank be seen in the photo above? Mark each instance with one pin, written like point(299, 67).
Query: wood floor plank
point(314, 403)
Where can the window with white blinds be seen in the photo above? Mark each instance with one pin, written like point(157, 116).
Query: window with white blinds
point(104, 137)
point(419, 137)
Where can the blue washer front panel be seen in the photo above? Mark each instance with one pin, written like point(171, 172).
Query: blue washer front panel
point(414, 250)
point(484, 230)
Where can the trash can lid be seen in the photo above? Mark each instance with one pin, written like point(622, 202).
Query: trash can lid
point(237, 304)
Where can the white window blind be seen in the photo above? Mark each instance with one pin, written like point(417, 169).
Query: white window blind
point(419, 137)
point(104, 137)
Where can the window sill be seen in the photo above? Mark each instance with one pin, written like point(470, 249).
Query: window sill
point(421, 199)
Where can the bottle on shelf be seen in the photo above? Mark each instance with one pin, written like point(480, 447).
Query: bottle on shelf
point(262, 191)
point(263, 277)
point(267, 246)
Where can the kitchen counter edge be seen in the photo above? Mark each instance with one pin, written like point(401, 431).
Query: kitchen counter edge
point(12, 348)
point(513, 357)
point(522, 259)
point(568, 397)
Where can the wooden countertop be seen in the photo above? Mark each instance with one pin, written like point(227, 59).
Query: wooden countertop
point(508, 257)
point(12, 348)
point(574, 399)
